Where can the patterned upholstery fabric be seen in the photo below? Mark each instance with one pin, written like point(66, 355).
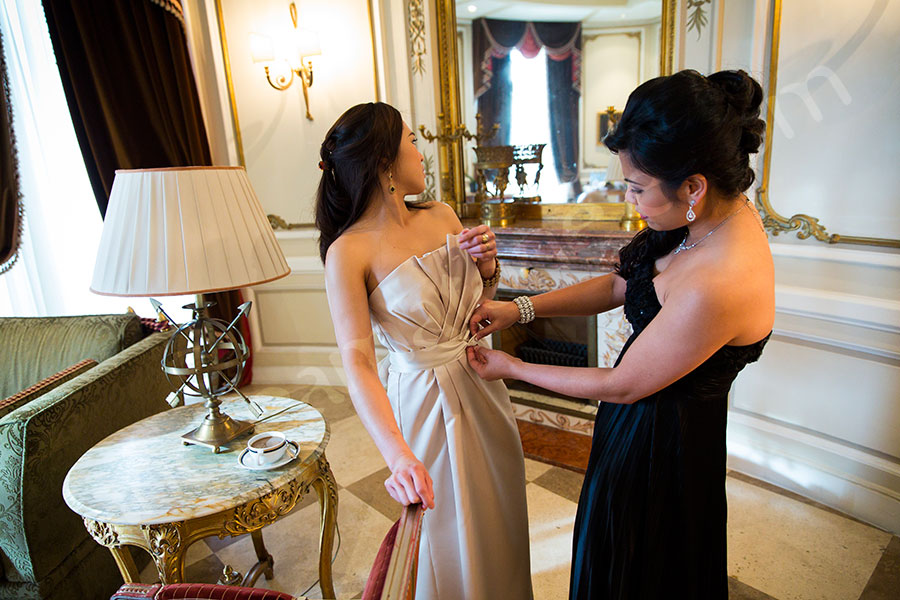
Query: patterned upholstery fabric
point(44, 547)
point(32, 348)
point(195, 591)
point(45, 385)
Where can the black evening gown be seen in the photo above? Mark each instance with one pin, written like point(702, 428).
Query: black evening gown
point(651, 517)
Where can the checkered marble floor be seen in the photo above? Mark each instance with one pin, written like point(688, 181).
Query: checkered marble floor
point(780, 545)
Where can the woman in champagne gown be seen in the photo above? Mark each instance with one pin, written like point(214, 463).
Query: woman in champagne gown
point(698, 289)
point(413, 275)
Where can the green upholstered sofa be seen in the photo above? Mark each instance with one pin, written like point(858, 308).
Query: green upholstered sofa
point(45, 551)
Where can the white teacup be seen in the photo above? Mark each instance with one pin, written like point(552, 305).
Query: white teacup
point(267, 447)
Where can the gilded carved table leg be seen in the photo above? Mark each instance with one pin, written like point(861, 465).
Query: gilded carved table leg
point(326, 488)
point(265, 560)
point(125, 562)
point(166, 544)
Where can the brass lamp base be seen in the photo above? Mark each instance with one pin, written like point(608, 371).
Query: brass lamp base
point(216, 430)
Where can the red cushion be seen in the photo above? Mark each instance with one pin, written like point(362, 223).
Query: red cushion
point(195, 591)
point(378, 574)
point(209, 591)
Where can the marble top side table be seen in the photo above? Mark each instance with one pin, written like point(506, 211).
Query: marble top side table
point(143, 487)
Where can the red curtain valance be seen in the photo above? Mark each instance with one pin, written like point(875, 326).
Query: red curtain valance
point(495, 38)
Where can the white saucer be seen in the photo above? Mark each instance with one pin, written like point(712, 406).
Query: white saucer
point(292, 452)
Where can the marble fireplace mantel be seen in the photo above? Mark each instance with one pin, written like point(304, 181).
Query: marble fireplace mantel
point(591, 246)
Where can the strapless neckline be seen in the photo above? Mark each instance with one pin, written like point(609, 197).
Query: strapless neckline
point(446, 245)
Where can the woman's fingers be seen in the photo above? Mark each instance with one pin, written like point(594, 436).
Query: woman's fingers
point(422, 484)
point(478, 241)
point(396, 491)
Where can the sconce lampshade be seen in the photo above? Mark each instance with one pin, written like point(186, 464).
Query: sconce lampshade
point(261, 48)
point(308, 43)
point(187, 230)
point(614, 170)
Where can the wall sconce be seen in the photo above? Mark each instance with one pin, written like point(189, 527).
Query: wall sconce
point(304, 43)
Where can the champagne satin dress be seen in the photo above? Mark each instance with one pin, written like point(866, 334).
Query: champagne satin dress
point(475, 541)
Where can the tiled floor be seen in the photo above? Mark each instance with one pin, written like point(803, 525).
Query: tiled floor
point(780, 546)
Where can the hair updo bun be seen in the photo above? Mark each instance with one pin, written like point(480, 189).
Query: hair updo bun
point(745, 95)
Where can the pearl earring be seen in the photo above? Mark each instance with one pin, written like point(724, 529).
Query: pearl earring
point(691, 215)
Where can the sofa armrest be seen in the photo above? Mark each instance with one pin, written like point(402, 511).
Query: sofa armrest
point(41, 441)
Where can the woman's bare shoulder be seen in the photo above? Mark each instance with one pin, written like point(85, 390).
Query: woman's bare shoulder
point(349, 252)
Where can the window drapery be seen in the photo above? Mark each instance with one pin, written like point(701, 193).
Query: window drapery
point(12, 211)
point(492, 41)
point(126, 71)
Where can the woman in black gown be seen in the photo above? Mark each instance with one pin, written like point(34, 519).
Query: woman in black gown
point(698, 290)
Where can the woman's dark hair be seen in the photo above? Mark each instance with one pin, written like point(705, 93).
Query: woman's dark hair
point(361, 144)
point(683, 124)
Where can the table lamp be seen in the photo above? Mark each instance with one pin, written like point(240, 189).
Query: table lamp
point(191, 230)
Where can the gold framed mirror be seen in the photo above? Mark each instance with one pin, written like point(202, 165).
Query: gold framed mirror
point(808, 119)
point(636, 39)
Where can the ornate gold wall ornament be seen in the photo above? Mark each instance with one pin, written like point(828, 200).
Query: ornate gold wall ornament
point(264, 510)
point(697, 18)
point(415, 10)
point(428, 195)
point(805, 225)
point(279, 223)
point(103, 533)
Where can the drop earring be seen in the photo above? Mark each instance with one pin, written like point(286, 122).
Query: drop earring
point(391, 179)
point(691, 215)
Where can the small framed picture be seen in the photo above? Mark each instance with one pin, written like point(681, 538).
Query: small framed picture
point(606, 120)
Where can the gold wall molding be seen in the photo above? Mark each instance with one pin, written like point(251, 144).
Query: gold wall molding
point(415, 10)
point(667, 37)
point(805, 225)
point(451, 151)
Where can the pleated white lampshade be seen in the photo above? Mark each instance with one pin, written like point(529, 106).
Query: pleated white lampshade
point(187, 230)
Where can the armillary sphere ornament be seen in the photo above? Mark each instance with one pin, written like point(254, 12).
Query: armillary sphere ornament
point(205, 357)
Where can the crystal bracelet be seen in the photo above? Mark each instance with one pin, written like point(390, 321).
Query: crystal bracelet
point(526, 309)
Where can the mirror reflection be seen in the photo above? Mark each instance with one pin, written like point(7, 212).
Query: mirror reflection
point(541, 82)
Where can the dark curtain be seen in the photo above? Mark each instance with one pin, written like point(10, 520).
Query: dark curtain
point(492, 41)
point(563, 94)
point(128, 81)
point(11, 211)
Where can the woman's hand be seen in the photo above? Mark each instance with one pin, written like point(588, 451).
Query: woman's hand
point(480, 242)
point(410, 483)
point(491, 364)
point(492, 316)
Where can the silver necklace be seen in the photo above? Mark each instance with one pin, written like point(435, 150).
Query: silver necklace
point(682, 246)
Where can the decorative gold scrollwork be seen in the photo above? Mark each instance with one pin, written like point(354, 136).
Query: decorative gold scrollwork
point(277, 223)
point(417, 46)
point(328, 478)
point(264, 510)
point(103, 533)
point(164, 539)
